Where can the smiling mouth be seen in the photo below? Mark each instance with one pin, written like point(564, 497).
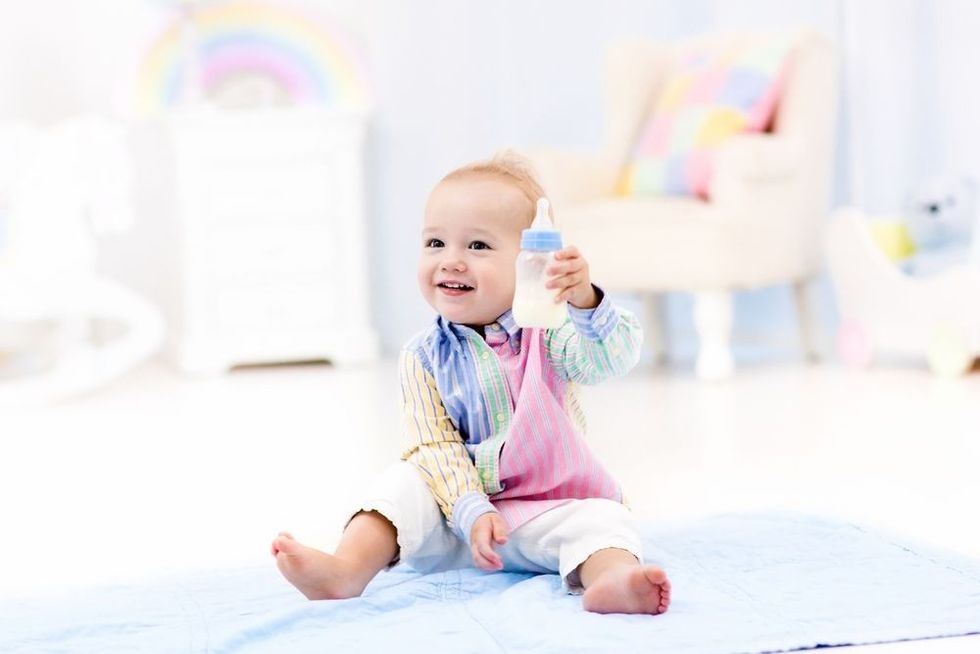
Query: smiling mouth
point(454, 288)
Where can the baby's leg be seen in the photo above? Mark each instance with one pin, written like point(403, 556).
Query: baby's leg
point(616, 582)
point(399, 519)
point(368, 545)
point(594, 545)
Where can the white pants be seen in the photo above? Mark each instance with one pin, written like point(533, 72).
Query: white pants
point(559, 540)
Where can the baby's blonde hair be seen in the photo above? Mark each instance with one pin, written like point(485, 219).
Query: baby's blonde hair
point(508, 166)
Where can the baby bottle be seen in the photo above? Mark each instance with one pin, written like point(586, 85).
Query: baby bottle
point(534, 305)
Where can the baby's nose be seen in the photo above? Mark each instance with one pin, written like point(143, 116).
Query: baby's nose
point(454, 264)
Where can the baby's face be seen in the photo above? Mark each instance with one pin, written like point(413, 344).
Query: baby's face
point(470, 241)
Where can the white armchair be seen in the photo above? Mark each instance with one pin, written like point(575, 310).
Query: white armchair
point(769, 198)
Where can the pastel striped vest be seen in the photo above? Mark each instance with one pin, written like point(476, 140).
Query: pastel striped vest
point(543, 459)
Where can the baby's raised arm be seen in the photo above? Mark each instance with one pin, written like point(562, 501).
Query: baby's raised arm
point(600, 341)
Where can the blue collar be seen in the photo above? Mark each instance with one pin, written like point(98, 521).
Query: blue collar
point(493, 332)
point(507, 324)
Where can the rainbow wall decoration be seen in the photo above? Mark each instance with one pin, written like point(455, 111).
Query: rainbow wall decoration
point(296, 51)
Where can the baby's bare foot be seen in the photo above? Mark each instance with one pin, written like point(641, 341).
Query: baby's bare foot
point(628, 589)
point(316, 574)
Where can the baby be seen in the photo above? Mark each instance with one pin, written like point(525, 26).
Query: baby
point(495, 472)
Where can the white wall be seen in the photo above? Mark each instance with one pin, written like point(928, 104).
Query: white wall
point(457, 79)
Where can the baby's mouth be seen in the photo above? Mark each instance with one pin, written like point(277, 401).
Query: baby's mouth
point(454, 288)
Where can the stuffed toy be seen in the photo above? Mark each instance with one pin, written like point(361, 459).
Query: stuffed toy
point(942, 222)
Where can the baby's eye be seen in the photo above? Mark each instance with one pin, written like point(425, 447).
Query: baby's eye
point(479, 245)
point(434, 243)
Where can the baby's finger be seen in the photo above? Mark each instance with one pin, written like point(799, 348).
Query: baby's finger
point(563, 268)
point(563, 265)
point(569, 252)
point(486, 550)
point(568, 279)
point(499, 532)
point(486, 558)
point(565, 282)
point(485, 563)
point(566, 295)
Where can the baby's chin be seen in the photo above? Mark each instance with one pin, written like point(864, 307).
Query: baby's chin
point(474, 314)
point(471, 318)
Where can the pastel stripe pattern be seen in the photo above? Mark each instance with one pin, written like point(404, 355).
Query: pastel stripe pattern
point(464, 398)
point(434, 444)
point(595, 345)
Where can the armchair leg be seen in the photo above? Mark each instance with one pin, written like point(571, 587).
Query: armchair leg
point(655, 326)
point(804, 301)
point(713, 321)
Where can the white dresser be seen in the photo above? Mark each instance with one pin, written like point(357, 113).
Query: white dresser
point(269, 223)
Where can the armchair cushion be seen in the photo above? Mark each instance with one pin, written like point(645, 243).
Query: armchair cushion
point(715, 91)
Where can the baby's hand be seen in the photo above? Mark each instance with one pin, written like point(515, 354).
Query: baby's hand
point(489, 528)
point(570, 274)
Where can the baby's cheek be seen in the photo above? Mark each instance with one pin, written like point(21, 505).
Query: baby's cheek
point(424, 280)
point(508, 283)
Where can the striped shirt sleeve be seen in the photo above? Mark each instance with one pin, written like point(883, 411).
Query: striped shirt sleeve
point(435, 446)
point(595, 344)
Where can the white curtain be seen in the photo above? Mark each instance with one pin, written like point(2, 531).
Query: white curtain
point(911, 101)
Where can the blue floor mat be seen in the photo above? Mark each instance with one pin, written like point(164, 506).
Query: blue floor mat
point(741, 583)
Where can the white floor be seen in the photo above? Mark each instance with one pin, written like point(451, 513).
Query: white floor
point(160, 474)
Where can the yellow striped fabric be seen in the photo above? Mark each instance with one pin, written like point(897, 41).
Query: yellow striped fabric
point(434, 445)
